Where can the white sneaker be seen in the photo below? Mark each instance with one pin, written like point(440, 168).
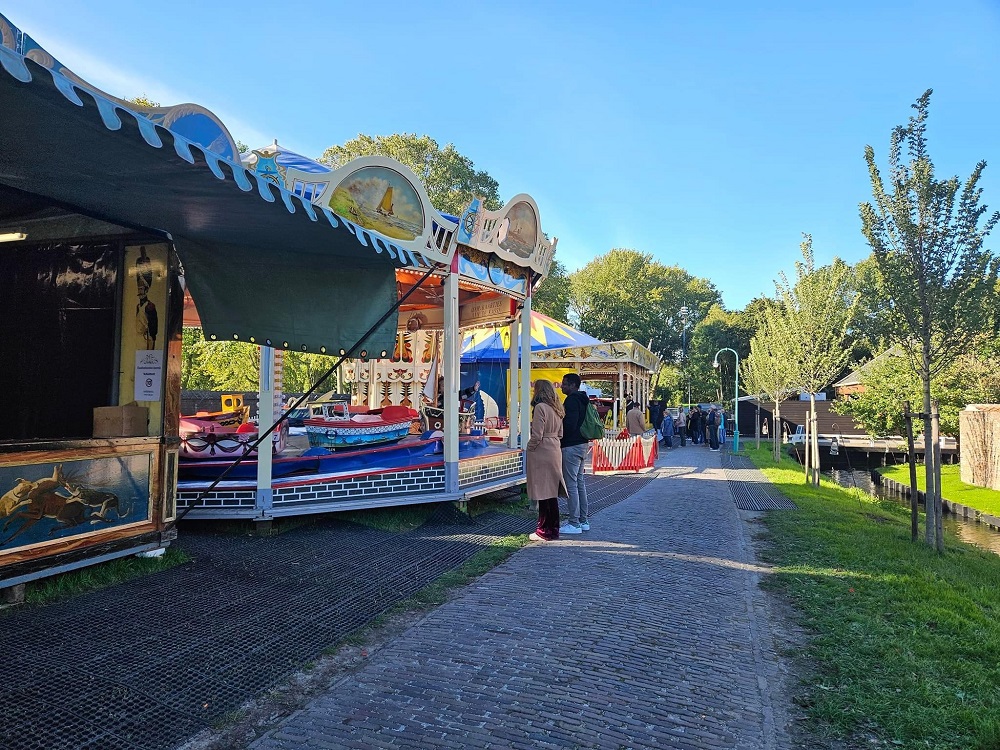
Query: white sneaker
point(585, 526)
point(568, 528)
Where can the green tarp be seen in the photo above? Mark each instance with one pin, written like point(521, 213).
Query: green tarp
point(276, 270)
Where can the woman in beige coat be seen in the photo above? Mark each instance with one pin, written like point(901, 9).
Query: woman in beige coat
point(545, 481)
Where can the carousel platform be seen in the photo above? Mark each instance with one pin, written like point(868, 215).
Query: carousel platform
point(410, 473)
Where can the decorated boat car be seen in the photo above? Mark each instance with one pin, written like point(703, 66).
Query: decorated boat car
point(335, 424)
point(223, 434)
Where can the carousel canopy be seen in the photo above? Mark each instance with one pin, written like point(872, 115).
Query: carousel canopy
point(493, 344)
point(263, 264)
point(601, 358)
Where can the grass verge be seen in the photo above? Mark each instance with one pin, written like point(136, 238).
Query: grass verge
point(952, 487)
point(904, 641)
point(100, 576)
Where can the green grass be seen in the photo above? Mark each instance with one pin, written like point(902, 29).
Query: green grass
point(102, 575)
point(952, 487)
point(903, 641)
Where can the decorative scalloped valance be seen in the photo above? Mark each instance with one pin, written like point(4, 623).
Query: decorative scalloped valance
point(262, 263)
point(514, 233)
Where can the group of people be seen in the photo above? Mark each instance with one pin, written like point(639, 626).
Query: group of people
point(700, 426)
point(557, 451)
point(557, 454)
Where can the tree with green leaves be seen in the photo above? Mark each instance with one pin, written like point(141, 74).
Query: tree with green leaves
point(936, 280)
point(235, 366)
point(553, 294)
point(218, 365)
point(625, 294)
point(766, 372)
point(973, 377)
point(450, 179)
point(718, 329)
point(814, 320)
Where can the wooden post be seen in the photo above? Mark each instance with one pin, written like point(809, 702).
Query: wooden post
point(757, 423)
point(911, 459)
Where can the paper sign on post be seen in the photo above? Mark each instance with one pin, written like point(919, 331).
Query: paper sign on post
point(148, 375)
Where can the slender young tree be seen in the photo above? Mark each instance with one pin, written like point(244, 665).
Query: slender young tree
point(814, 320)
point(936, 280)
point(766, 371)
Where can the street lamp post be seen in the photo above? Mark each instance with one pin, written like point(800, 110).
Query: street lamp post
point(736, 396)
point(684, 312)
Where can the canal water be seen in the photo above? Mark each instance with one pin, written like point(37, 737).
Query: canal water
point(848, 473)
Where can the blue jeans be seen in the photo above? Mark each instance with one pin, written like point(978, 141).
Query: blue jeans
point(574, 458)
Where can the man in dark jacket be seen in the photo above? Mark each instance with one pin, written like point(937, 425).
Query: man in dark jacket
point(574, 455)
point(712, 425)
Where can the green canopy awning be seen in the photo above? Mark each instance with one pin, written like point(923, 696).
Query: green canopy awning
point(261, 263)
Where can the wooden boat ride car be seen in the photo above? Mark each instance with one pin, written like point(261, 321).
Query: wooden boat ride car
point(335, 424)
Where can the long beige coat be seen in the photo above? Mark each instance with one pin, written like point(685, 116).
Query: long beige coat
point(544, 455)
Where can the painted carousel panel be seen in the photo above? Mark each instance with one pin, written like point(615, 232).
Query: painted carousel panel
point(43, 503)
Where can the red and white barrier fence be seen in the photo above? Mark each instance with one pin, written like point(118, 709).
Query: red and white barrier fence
point(629, 454)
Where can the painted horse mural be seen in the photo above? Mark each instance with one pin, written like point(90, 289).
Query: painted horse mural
point(59, 498)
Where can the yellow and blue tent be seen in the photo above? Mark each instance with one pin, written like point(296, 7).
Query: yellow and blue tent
point(493, 344)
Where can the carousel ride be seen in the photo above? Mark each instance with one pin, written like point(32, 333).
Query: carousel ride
point(406, 432)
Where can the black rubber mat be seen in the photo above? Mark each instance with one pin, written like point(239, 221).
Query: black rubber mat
point(750, 488)
point(149, 663)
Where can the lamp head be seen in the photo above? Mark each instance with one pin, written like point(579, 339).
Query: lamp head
point(715, 364)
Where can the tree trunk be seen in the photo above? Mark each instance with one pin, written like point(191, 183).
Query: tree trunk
point(757, 425)
point(938, 501)
point(911, 459)
point(776, 433)
point(815, 439)
point(930, 525)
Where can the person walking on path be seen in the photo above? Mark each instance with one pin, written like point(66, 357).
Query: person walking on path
point(682, 426)
point(545, 478)
point(635, 420)
point(656, 414)
point(574, 456)
point(667, 430)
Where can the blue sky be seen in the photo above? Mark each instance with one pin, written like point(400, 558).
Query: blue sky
point(708, 134)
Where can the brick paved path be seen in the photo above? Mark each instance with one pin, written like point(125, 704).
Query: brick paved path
point(648, 631)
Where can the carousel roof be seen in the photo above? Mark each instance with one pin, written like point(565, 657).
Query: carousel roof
point(602, 354)
point(493, 344)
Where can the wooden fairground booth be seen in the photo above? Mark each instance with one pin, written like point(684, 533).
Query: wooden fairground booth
point(108, 213)
point(628, 365)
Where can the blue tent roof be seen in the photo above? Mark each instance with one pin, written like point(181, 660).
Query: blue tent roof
point(493, 344)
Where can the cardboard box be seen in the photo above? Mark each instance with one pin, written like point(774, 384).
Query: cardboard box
point(129, 420)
